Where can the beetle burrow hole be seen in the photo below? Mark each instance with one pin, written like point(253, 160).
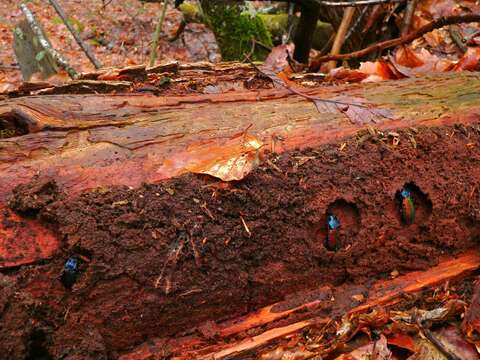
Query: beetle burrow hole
point(347, 215)
point(421, 202)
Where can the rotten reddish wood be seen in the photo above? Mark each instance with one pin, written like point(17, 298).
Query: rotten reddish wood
point(90, 141)
point(261, 317)
point(383, 293)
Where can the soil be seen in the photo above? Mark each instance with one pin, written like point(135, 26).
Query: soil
point(162, 258)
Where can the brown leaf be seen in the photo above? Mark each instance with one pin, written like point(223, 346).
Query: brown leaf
point(403, 341)
point(454, 342)
point(373, 350)
point(470, 60)
point(428, 63)
point(234, 160)
point(406, 57)
point(345, 74)
point(358, 110)
point(276, 61)
point(377, 71)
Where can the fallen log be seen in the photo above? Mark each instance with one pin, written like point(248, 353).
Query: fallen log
point(157, 259)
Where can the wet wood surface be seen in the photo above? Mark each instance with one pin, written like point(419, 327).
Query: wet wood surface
point(90, 141)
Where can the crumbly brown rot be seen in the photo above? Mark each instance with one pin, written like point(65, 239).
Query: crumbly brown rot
point(165, 257)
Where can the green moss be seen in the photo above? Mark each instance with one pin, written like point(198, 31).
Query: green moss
point(275, 23)
point(235, 29)
point(191, 12)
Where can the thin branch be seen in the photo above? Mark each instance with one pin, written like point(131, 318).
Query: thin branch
point(156, 35)
point(407, 18)
point(60, 60)
point(354, 3)
point(86, 49)
point(441, 22)
point(341, 32)
point(457, 38)
point(357, 23)
point(347, 3)
point(105, 3)
point(179, 31)
point(9, 67)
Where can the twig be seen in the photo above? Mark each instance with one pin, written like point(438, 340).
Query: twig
point(356, 24)
point(265, 46)
point(341, 32)
point(457, 38)
point(9, 67)
point(407, 18)
point(250, 53)
point(86, 49)
point(290, 23)
point(354, 3)
point(245, 226)
point(156, 35)
point(60, 60)
point(428, 334)
point(105, 3)
point(441, 22)
point(179, 31)
point(328, 44)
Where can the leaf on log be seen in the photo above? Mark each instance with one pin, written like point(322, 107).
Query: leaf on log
point(234, 160)
point(358, 111)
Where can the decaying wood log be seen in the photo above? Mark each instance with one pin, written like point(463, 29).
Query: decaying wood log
point(162, 257)
point(88, 141)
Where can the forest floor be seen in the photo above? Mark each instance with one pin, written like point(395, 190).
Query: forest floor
point(119, 35)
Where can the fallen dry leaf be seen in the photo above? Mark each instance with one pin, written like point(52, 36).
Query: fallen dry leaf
point(276, 61)
point(373, 350)
point(453, 340)
point(234, 160)
point(470, 60)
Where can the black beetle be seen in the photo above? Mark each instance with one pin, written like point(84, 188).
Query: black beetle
point(70, 272)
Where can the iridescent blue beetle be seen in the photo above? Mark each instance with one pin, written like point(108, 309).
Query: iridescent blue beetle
point(70, 272)
point(407, 207)
point(332, 243)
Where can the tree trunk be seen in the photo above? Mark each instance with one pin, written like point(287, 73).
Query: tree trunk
point(162, 257)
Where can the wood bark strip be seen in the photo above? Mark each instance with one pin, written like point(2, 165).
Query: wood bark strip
point(90, 141)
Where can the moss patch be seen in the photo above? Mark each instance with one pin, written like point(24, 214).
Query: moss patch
point(235, 29)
